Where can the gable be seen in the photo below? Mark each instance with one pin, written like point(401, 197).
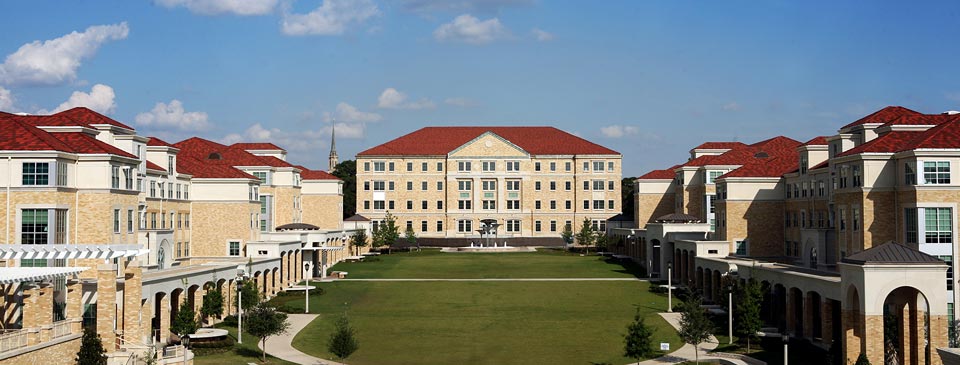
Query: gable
point(489, 145)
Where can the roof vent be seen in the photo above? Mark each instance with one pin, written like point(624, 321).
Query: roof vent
point(761, 154)
point(951, 112)
point(215, 156)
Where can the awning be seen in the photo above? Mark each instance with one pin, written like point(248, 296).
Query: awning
point(11, 275)
point(8, 252)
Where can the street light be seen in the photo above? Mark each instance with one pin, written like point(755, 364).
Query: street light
point(786, 340)
point(241, 275)
point(669, 287)
point(730, 313)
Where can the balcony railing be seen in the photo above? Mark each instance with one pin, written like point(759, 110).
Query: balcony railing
point(61, 328)
point(14, 340)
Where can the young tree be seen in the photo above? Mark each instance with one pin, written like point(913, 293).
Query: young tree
point(347, 171)
point(387, 233)
point(264, 321)
point(586, 235)
point(411, 238)
point(359, 239)
point(638, 341)
point(91, 349)
point(747, 312)
point(602, 241)
point(862, 360)
point(343, 341)
point(185, 322)
point(567, 234)
point(212, 304)
point(695, 327)
point(250, 295)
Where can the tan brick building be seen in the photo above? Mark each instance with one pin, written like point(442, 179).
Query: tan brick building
point(442, 181)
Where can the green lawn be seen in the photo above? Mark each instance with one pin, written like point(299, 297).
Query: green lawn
point(433, 264)
point(573, 322)
point(244, 353)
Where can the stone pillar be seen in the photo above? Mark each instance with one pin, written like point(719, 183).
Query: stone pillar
point(107, 305)
point(908, 332)
point(938, 336)
point(165, 317)
point(198, 302)
point(873, 337)
point(808, 311)
point(852, 341)
point(132, 303)
point(826, 321)
point(791, 309)
point(74, 310)
point(229, 295)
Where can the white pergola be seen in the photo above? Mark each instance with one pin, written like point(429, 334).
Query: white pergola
point(13, 275)
point(80, 251)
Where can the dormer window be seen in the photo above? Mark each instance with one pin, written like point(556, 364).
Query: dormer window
point(215, 156)
point(171, 163)
point(803, 163)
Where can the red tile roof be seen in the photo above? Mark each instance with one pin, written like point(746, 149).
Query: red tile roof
point(153, 166)
point(206, 170)
point(431, 141)
point(882, 116)
point(773, 147)
point(275, 162)
point(257, 146)
point(922, 119)
point(943, 136)
point(154, 141)
point(87, 116)
point(201, 149)
point(17, 135)
point(887, 143)
point(719, 146)
point(85, 144)
point(766, 167)
point(665, 174)
point(816, 141)
point(308, 174)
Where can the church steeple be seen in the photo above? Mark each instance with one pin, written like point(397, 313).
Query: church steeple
point(333, 160)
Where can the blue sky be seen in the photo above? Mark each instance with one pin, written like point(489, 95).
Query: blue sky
point(650, 79)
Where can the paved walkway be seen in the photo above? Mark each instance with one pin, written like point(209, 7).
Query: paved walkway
point(687, 352)
point(282, 346)
point(503, 279)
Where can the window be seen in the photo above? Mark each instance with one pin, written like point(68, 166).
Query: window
point(567, 166)
point(262, 175)
point(379, 185)
point(536, 166)
point(489, 204)
point(553, 205)
point(409, 204)
point(409, 226)
point(598, 185)
point(610, 185)
point(821, 188)
point(553, 186)
point(464, 185)
point(114, 177)
point(366, 204)
point(439, 204)
point(423, 226)
point(233, 248)
point(858, 179)
point(464, 204)
point(463, 166)
point(586, 185)
point(488, 166)
point(489, 185)
point(803, 163)
point(910, 223)
point(439, 166)
point(423, 186)
point(379, 166)
point(537, 227)
point(909, 174)
point(409, 166)
point(610, 204)
point(186, 248)
point(597, 165)
point(170, 165)
point(390, 166)
point(567, 185)
point(513, 225)
point(390, 185)
point(179, 249)
point(390, 204)
point(378, 205)
point(856, 218)
point(609, 166)
point(598, 204)
point(116, 221)
point(423, 204)
point(938, 225)
point(536, 185)
point(712, 176)
point(178, 191)
point(536, 205)
point(568, 204)
point(439, 226)
point(464, 226)
point(513, 185)
point(513, 166)
point(409, 185)
point(936, 172)
point(843, 220)
point(553, 166)
point(130, 220)
point(423, 167)
point(553, 226)
point(741, 248)
point(153, 220)
point(34, 227)
point(439, 185)
point(127, 177)
point(366, 186)
point(366, 166)
point(186, 220)
point(513, 204)
point(586, 204)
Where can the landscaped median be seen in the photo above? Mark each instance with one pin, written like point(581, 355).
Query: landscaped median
point(483, 322)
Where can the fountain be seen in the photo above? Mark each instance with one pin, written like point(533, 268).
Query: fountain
point(488, 228)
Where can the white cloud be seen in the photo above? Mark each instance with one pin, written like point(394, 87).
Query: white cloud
point(617, 131)
point(99, 99)
point(217, 7)
point(486, 6)
point(299, 140)
point(468, 29)
point(732, 106)
point(542, 35)
point(173, 116)
point(55, 61)
point(331, 18)
point(390, 98)
point(459, 101)
point(349, 113)
point(6, 100)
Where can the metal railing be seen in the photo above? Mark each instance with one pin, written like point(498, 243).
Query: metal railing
point(170, 352)
point(61, 328)
point(13, 340)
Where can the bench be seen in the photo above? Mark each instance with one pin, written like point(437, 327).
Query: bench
point(339, 274)
point(353, 258)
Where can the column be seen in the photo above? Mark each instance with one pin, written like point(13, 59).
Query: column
point(198, 302)
point(165, 318)
point(808, 310)
point(873, 338)
point(908, 334)
point(938, 336)
point(74, 310)
point(790, 315)
point(132, 302)
point(30, 309)
point(826, 321)
point(107, 304)
point(229, 296)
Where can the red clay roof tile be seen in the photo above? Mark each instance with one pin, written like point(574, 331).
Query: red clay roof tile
point(432, 141)
point(719, 145)
point(250, 146)
point(882, 116)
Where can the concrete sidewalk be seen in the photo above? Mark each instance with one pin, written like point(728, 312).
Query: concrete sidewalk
point(282, 346)
point(687, 352)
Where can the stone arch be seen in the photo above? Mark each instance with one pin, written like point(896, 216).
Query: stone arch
point(795, 311)
point(161, 316)
point(699, 279)
point(779, 307)
point(813, 315)
point(283, 278)
point(708, 284)
point(164, 254)
point(906, 333)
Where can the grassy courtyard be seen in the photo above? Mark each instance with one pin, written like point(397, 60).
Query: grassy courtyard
point(503, 322)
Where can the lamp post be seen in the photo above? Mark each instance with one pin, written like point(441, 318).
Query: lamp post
point(730, 313)
point(306, 296)
point(241, 275)
point(670, 287)
point(786, 340)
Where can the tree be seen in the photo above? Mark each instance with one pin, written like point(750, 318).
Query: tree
point(91, 349)
point(638, 341)
point(347, 171)
point(212, 304)
point(185, 322)
point(747, 311)
point(862, 360)
point(602, 241)
point(567, 234)
point(264, 321)
point(411, 238)
point(250, 295)
point(343, 341)
point(627, 194)
point(586, 236)
point(695, 327)
point(359, 239)
point(387, 232)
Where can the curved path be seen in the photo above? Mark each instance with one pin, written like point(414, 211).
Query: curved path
point(282, 346)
